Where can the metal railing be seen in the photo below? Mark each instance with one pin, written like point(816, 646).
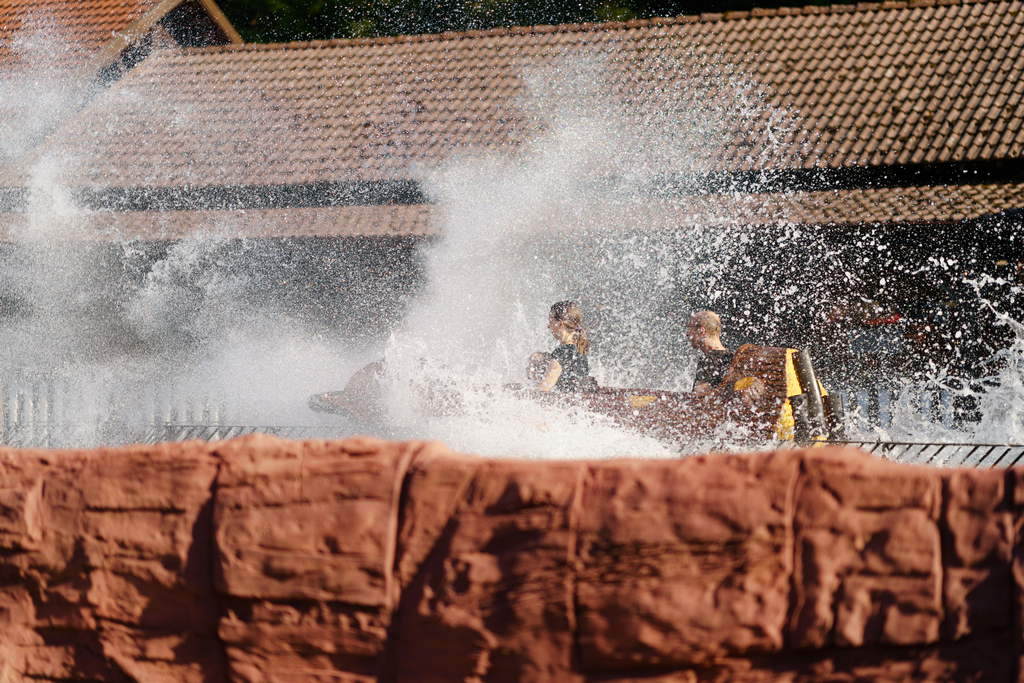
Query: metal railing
point(38, 412)
point(945, 454)
point(170, 433)
point(877, 406)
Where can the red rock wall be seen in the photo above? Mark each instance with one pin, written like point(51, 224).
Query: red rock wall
point(262, 560)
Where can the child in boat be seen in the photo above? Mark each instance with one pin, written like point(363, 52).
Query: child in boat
point(568, 369)
point(537, 366)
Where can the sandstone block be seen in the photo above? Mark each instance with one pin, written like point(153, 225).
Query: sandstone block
point(971, 660)
point(1015, 479)
point(436, 486)
point(275, 642)
point(977, 600)
point(865, 531)
point(307, 551)
point(979, 517)
point(148, 478)
point(493, 598)
point(137, 534)
point(305, 538)
point(106, 544)
point(363, 561)
point(899, 610)
point(162, 656)
point(979, 550)
point(19, 523)
point(682, 563)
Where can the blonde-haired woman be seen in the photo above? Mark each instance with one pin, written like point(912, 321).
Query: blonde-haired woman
point(568, 368)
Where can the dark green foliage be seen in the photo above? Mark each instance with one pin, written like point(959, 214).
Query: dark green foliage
point(285, 20)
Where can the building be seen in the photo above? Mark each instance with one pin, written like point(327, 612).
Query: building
point(55, 55)
point(103, 39)
point(821, 134)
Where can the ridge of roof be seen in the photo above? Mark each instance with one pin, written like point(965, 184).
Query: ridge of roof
point(706, 18)
point(157, 12)
point(101, 29)
point(851, 96)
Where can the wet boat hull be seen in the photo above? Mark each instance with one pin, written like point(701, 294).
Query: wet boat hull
point(755, 402)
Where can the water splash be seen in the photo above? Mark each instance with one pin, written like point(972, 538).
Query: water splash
point(567, 217)
point(585, 211)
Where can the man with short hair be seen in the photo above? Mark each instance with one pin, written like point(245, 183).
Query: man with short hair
point(704, 330)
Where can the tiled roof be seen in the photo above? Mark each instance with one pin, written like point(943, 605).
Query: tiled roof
point(838, 208)
point(865, 85)
point(39, 35)
point(73, 29)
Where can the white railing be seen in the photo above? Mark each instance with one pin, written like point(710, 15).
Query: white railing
point(879, 406)
point(41, 412)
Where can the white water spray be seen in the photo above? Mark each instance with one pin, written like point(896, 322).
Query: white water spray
point(569, 215)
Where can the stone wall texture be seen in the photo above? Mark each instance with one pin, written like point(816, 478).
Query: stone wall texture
point(263, 561)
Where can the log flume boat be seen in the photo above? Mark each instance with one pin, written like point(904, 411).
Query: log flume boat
point(767, 393)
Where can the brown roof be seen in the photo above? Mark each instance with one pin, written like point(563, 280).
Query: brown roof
point(865, 85)
point(838, 208)
point(82, 28)
point(70, 33)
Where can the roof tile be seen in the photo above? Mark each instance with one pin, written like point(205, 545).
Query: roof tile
point(425, 96)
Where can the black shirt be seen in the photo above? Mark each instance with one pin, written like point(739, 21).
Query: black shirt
point(575, 368)
point(712, 366)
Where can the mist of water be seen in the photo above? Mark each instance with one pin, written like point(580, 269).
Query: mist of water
point(561, 219)
point(991, 403)
point(567, 216)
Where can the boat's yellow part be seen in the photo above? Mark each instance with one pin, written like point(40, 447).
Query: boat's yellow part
point(641, 401)
point(785, 428)
point(744, 383)
point(792, 381)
